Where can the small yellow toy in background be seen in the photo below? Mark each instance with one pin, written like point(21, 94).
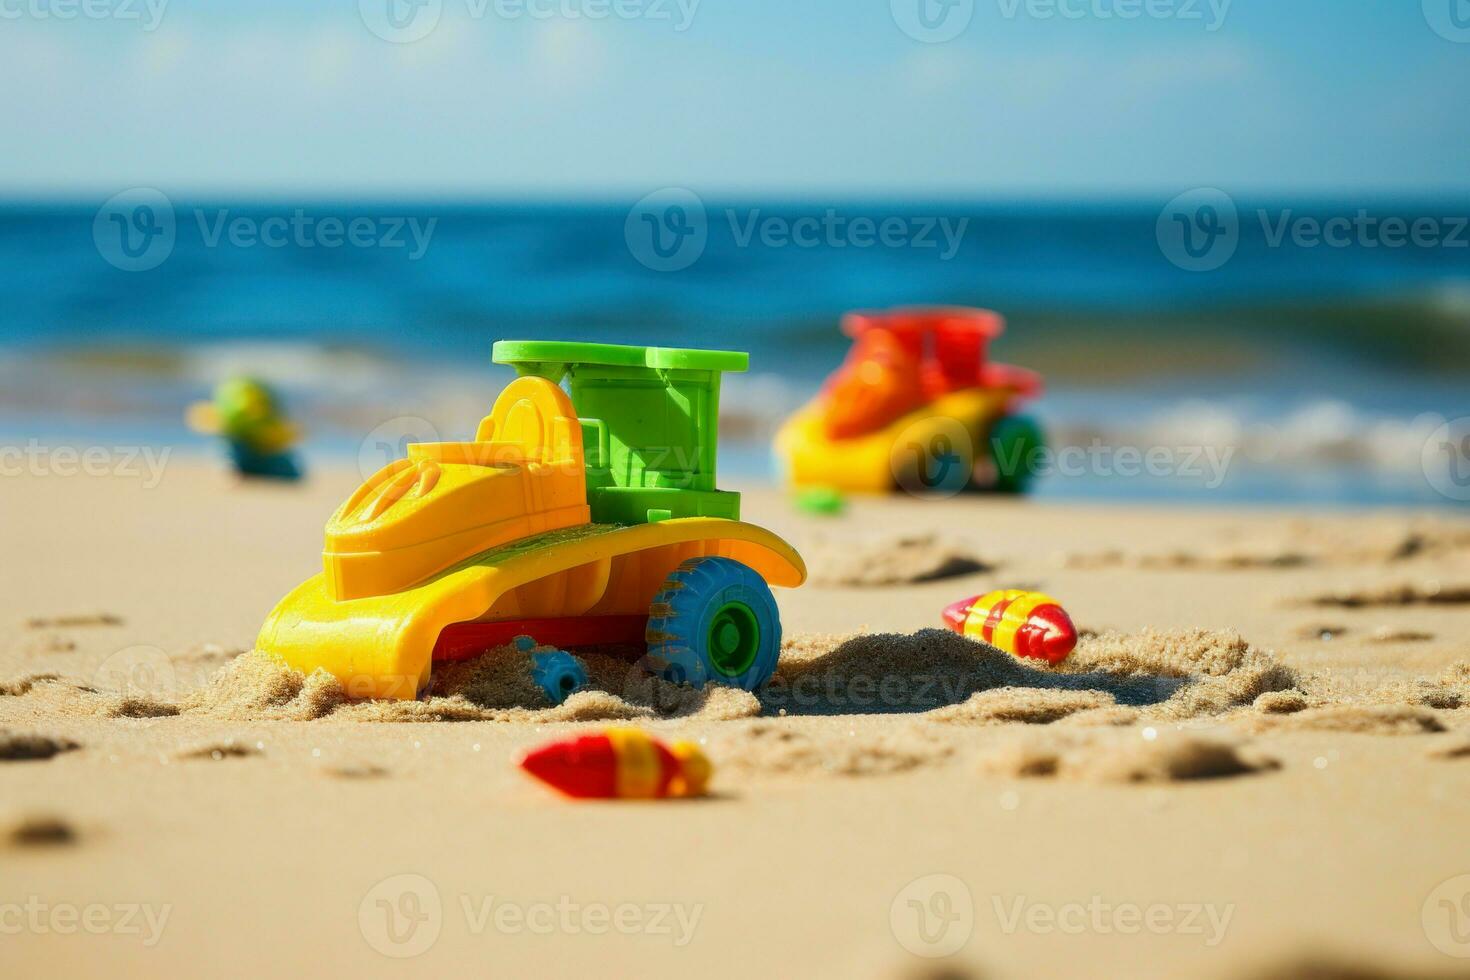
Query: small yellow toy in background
point(247, 414)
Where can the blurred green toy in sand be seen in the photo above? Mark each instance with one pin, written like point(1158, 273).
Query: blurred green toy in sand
point(247, 414)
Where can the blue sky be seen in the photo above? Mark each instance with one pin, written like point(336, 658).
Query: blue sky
point(784, 97)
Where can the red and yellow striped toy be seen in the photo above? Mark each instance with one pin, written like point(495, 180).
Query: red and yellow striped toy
point(620, 763)
point(1026, 624)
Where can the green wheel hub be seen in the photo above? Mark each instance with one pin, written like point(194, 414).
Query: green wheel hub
point(734, 639)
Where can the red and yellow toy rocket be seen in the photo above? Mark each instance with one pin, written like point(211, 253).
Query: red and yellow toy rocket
point(1027, 624)
point(620, 763)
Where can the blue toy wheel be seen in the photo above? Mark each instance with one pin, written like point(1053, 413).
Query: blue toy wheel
point(557, 673)
point(715, 620)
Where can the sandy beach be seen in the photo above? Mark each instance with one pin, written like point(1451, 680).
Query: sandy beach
point(1259, 757)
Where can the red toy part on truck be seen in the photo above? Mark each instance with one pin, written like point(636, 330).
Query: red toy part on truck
point(905, 358)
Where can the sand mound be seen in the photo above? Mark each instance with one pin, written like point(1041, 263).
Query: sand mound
point(1456, 746)
point(1429, 592)
point(219, 752)
point(822, 673)
point(1451, 690)
point(1130, 758)
point(887, 561)
point(84, 619)
point(70, 699)
point(364, 770)
point(1110, 680)
point(21, 686)
point(1299, 544)
point(1229, 559)
point(495, 687)
point(18, 747)
point(770, 749)
point(1388, 634)
point(1281, 702)
point(255, 687)
point(1315, 966)
point(1027, 705)
point(1116, 716)
point(1359, 719)
point(1214, 670)
point(1172, 675)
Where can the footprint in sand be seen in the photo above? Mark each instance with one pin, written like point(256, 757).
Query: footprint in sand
point(26, 747)
point(39, 830)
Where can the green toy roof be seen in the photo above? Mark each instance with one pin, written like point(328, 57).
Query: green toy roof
point(618, 355)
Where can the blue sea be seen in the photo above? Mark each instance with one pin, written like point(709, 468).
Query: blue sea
point(1320, 366)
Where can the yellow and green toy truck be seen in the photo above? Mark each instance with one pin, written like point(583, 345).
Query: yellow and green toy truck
point(587, 516)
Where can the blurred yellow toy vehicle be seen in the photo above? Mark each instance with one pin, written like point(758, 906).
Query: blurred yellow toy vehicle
point(248, 415)
point(589, 518)
point(916, 405)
